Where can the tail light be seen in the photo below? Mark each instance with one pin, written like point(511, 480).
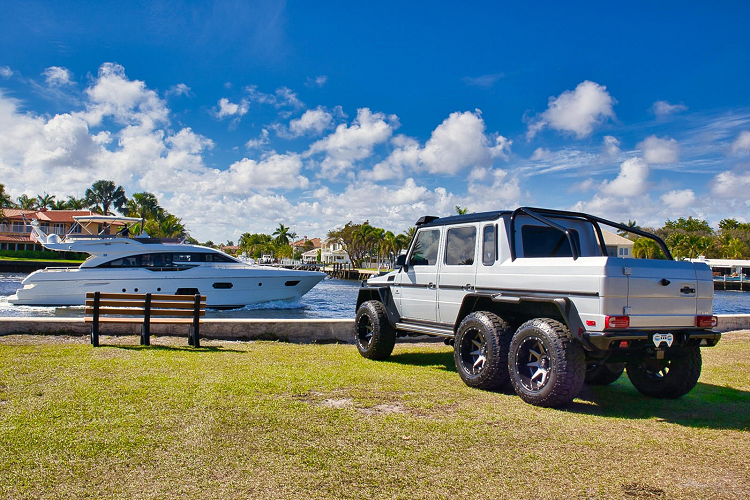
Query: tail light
point(706, 321)
point(616, 322)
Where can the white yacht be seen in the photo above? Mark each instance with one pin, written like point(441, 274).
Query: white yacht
point(119, 263)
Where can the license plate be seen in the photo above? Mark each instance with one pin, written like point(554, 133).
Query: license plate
point(663, 337)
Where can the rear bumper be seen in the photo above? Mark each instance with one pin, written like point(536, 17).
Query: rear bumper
point(605, 340)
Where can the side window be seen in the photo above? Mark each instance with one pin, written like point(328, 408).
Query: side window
point(544, 241)
point(489, 245)
point(460, 245)
point(425, 248)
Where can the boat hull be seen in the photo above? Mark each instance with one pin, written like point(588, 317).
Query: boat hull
point(224, 287)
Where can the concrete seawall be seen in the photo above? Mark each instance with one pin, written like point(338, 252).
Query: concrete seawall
point(286, 330)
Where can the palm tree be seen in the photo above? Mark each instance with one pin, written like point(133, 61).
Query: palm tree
point(461, 211)
point(143, 205)
point(282, 235)
point(74, 203)
point(60, 205)
point(646, 248)
point(104, 194)
point(26, 203)
point(46, 201)
point(5, 200)
point(734, 248)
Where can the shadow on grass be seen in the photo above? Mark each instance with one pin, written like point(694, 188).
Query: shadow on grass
point(707, 405)
point(171, 348)
point(438, 360)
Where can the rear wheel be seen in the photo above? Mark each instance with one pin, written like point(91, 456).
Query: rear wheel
point(547, 367)
point(481, 351)
point(373, 333)
point(603, 373)
point(667, 378)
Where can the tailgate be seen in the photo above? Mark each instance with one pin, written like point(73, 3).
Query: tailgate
point(664, 293)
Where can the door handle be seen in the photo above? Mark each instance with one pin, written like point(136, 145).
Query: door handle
point(468, 287)
point(431, 285)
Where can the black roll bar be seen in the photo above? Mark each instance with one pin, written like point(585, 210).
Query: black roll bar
point(594, 220)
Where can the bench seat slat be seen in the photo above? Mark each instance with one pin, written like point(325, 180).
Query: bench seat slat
point(140, 312)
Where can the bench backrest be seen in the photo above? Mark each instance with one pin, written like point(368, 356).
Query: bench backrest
point(137, 304)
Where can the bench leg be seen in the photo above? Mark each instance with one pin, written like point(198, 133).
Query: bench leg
point(95, 335)
point(145, 335)
point(193, 339)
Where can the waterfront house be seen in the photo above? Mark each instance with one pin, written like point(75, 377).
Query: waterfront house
point(617, 246)
point(333, 252)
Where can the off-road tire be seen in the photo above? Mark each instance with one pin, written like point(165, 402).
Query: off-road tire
point(603, 373)
point(667, 378)
point(480, 350)
point(547, 367)
point(373, 333)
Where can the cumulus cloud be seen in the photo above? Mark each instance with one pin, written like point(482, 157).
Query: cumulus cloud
point(281, 98)
point(261, 141)
point(664, 108)
point(227, 108)
point(56, 76)
point(6, 72)
point(656, 151)
point(742, 143)
point(678, 200)
point(731, 185)
point(274, 171)
point(576, 112)
point(631, 181)
point(351, 143)
point(459, 142)
point(540, 154)
point(313, 122)
point(610, 146)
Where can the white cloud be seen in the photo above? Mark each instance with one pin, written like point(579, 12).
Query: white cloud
point(126, 101)
point(656, 151)
point(484, 81)
point(576, 112)
point(179, 90)
point(678, 200)
point(458, 143)
point(631, 181)
point(610, 146)
point(56, 76)
point(731, 185)
point(227, 108)
point(318, 81)
point(496, 189)
point(312, 122)
point(6, 72)
point(349, 144)
point(742, 143)
point(274, 171)
point(540, 154)
point(261, 141)
point(664, 108)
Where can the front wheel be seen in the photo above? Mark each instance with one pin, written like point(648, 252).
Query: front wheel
point(481, 351)
point(373, 333)
point(547, 367)
point(667, 378)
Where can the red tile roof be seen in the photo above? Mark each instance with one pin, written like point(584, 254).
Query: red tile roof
point(4, 238)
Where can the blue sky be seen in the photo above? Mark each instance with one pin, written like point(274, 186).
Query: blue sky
point(242, 115)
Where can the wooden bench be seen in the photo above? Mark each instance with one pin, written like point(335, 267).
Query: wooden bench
point(146, 309)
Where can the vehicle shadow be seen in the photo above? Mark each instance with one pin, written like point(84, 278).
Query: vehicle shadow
point(707, 405)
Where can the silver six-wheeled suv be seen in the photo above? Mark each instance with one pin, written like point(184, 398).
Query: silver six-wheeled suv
point(532, 298)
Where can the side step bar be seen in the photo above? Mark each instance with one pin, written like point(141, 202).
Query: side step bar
point(427, 330)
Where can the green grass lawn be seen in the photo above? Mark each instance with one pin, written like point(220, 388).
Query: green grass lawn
point(272, 420)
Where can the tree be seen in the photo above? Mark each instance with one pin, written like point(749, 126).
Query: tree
point(282, 235)
point(734, 248)
point(26, 203)
point(461, 211)
point(143, 205)
point(74, 203)
point(689, 225)
point(103, 195)
point(5, 200)
point(46, 201)
point(631, 224)
point(646, 248)
point(60, 205)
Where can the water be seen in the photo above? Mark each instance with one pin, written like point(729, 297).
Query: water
point(331, 298)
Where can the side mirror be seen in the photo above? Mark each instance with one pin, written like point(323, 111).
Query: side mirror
point(401, 261)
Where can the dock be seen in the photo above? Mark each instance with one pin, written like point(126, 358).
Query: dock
point(732, 283)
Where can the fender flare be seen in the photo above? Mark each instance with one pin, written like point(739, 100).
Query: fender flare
point(381, 294)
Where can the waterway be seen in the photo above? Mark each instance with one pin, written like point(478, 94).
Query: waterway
point(331, 298)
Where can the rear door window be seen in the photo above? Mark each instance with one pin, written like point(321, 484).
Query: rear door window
point(460, 246)
point(545, 241)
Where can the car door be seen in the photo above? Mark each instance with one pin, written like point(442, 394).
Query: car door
point(417, 285)
point(458, 270)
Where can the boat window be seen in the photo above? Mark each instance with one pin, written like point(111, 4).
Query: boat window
point(167, 260)
point(460, 245)
point(545, 241)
